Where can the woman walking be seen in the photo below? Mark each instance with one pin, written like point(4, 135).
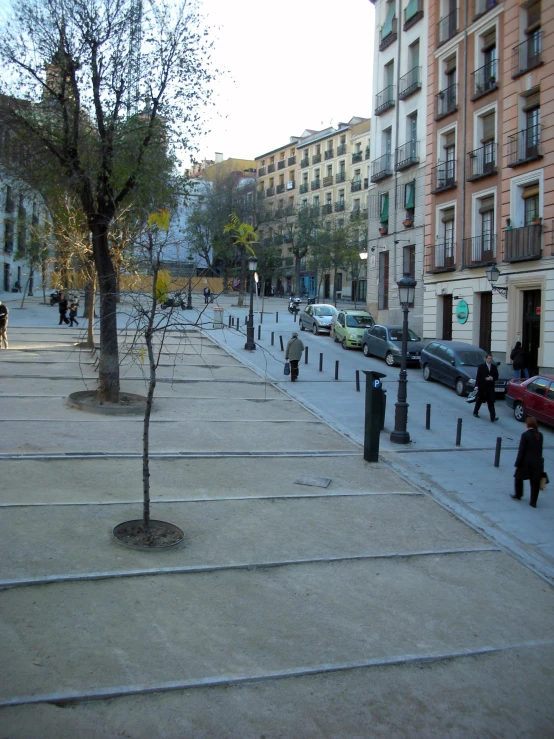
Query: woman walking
point(529, 462)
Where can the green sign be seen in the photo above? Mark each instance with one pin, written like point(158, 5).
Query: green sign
point(462, 311)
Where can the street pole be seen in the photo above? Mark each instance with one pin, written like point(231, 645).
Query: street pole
point(189, 296)
point(250, 343)
point(400, 435)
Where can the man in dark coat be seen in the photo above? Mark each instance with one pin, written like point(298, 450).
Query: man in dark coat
point(487, 374)
point(529, 462)
point(63, 305)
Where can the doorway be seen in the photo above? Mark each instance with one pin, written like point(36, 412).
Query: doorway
point(531, 328)
point(485, 322)
point(447, 318)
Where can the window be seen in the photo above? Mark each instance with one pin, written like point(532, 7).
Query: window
point(384, 208)
point(383, 280)
point(539, 386)
point(531, 204)
point(409, 198)
point(484, 246)
point(408, 260)
point(389, 74)
point(388, 25)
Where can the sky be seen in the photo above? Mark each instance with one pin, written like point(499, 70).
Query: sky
point(292, 65)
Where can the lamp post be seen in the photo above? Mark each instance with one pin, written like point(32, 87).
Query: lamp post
point(493, 273)
point(406, 290)
point(250, 344)
point(189, 293)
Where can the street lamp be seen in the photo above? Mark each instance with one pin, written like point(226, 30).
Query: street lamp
point(493, 273)
point(406, 291)
point(250, 344)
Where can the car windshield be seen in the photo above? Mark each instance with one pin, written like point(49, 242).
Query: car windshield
point(471, 359)
point(358, 321)
point(323, 311)
point(396, 335)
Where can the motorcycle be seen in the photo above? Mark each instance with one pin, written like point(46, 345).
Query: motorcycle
point(294, 305)
point(54, 297)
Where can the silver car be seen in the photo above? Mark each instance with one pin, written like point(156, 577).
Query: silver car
point(317, 317)
point(386, 342)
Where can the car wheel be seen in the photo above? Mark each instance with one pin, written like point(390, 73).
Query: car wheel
point(427, 373)
point(315, 329)
point(389, 359)
point(302, 327)
point(343, 344)
point(460, 387)
point(365, 350)
point(519, 412)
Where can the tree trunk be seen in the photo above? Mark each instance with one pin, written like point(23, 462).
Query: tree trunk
point(108, 368)
point(146, 425)
point(242, 277)
point(25, 292)
point(90, 294)
point(297, 274)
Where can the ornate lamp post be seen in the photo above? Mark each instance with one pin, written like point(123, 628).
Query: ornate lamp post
point(250, 344)
point(406, 291)
point(493, 273)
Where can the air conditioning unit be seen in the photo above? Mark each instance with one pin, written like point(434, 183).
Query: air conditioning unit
point(290, 185)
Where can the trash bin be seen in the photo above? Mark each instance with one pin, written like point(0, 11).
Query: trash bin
point(218, 317)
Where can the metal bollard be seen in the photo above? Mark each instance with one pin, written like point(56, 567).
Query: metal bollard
point(281, 341)
point(276, 317)
point(273, 338)
point(357, 381)
point(321, 362)
point(459, 432)
point(230, 321)
point(336, 369)
point(259, 332)
point(295, 314)
point(306, 356)
point(261, 316)
point(428, 416)
point(497, 451)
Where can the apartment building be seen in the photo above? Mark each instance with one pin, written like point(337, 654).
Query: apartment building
point(327, 172)
point(396, 224)
point(489, 205)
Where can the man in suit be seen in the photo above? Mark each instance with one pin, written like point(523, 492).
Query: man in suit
point(487, 374)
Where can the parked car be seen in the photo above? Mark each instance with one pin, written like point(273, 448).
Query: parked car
point(455, 363)
point(317, 318)
point(532, 397)
point(386, 342)
point(350, 326)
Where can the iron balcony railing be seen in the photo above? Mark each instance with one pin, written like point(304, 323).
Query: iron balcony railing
point(407, 154)
point(271, 168)
point(481, 6)
point(485, 78)
point(341, 149)
point(412, 13)
point(303, 188)
point(327, 181)
point(278, 238)
point(356, 186)
point(527, 55)
point(482, 162)
point(356, 214)
point(381, 168)
point(315, 210)
point(521, 244)
point(443, 176)
point(280, 189)
point(447, 27)
point(340, 177)
point(329, 153)
point(524, 145)
point(269, 192)
point(326, 209)
point(261, 171)
point(384, 100)
point(305, 162)
point(291, 161)
point(316, 184)
point(409, 83)
point(446, 101)
point(390, 36)
point(316, 158)
point(479, 250)
point(443, 256)
point(357, 156)
point(339, 205)
point(281, 164)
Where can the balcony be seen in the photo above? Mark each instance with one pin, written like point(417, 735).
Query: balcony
point(329, 153)
point(340, 177)
point(341, 149)
point(384, 100)
point(316, 158)
point(356, 186)
point(388, 34)
point(291, 161)
point(281, 164)
point(446, 102)
point(291, 185)
point(339, 206)
point(303, 188)
point(287, 238)
point(260, 193)
point(381, 168)
point(484, 79)
point(447, 27)
point(523, 244)
point(261, 172)
point(409, 83)
point(271, 168)
point(443, 176)
point(326, 209)
point(357, 156)
point(479, 251)
point(316, 184)
point(482, 162)
point(315, 211)
point(482, 6)
point(328, 181)
point(366, 152)
point(269, 192)
point(280, 188)
point(278, 238)
point(356, 215)
point(304, 162)
point(443, 256)
point(413, 13)
point(524, 146)
point(407, 155)
point(527, 55)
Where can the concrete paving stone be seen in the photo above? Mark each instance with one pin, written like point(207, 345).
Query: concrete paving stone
point(503, 694)
point(81, 436)
point(72, 539)
point(61, 369)
point(91, 480)
point(244, 623)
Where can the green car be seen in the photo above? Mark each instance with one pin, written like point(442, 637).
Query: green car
point(350, 326)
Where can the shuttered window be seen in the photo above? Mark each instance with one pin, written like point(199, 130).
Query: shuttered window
point(447, 215)
point(486, 204)
point(532, 101)
point(530, 191)
point(450, 65)
point(488, 127)
point(489, 40)
point(384, 209)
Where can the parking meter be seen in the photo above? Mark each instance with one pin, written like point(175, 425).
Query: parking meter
point(374, 409)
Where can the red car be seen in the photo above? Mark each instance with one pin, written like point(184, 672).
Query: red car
point(532, 397)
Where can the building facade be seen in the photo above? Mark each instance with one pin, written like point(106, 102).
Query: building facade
point(490, 176)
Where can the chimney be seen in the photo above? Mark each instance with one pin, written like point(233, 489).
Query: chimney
point(218, 157)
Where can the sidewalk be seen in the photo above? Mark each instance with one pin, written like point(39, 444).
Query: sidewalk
point(361, 608)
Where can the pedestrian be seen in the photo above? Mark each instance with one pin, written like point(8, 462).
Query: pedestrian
point(293, 354)
point(62, 307)
point(207, 293)
point(519, 361)
point(487, 374)
point(4, 311)
point(529, 462)
point(73, 313)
